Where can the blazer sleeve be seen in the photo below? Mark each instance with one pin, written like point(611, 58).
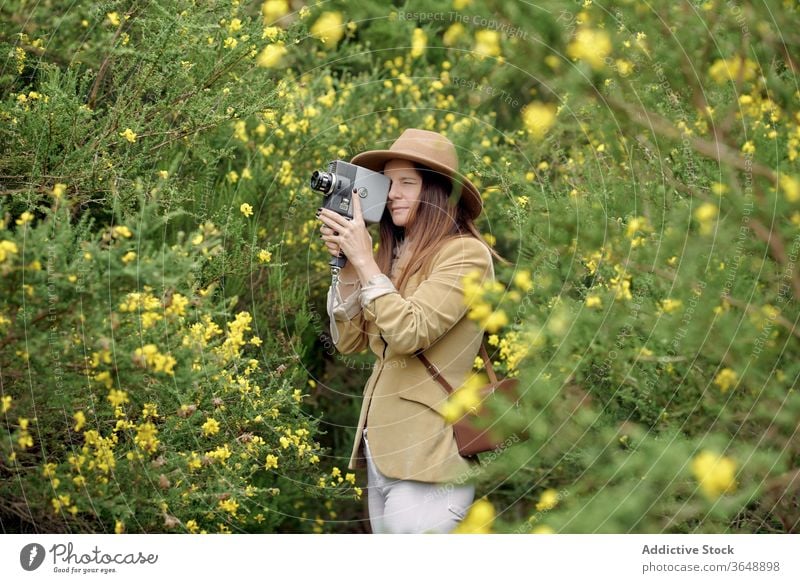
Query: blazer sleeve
point(416, 322)
point(346, 323)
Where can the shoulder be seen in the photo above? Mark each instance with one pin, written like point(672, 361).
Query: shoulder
point(464, 253)
point(466, 247)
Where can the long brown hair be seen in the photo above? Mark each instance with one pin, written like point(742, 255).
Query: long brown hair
point(434, 219)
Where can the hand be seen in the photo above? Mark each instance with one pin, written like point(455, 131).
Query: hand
point(333, 248)
point(351, 236)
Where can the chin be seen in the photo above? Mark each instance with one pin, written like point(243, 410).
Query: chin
point(399, 221)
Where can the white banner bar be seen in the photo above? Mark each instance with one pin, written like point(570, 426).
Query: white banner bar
point(352, 557)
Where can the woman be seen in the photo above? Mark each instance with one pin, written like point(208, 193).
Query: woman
point(410, 297)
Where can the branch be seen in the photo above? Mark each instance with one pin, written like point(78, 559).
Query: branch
point(749, 308)
point(714, 150)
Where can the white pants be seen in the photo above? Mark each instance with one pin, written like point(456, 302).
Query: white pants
point(413, 507)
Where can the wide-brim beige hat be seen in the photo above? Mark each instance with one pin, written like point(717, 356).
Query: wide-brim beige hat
point(433, 150)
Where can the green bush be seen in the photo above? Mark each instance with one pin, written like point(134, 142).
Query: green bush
point(638, 169)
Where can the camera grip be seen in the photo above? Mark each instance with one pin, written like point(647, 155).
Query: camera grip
point(338, 262)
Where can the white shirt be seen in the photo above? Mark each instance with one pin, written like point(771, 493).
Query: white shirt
point(348, 309)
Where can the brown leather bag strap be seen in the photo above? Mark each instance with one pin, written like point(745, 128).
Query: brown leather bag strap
point(437, 375)
point(434, 372)
point(488, 364)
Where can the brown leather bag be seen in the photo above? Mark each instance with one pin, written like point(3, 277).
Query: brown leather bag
point(472, 440)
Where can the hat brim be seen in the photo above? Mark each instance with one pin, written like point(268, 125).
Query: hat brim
point(376, 159)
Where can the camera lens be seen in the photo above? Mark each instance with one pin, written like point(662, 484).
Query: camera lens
point(321, 181)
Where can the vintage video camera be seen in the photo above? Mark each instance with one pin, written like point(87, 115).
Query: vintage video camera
point(336, 186)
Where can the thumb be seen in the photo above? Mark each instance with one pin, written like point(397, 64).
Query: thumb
point(357, 206)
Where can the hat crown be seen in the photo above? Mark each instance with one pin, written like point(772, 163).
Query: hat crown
point(427, 144)
point(433, 150)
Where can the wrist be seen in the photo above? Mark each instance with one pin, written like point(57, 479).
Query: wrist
point(367, 271)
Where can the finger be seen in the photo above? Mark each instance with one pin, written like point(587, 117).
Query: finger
point(333, 219)
point(357, 207)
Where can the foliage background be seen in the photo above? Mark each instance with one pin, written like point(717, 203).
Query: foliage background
point(165, 363)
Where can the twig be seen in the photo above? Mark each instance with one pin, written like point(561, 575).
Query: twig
point(715, 150)
point(749, 309)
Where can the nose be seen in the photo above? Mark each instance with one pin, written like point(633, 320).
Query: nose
point(394, 192)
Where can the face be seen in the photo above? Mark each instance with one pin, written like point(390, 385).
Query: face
point(404, 191)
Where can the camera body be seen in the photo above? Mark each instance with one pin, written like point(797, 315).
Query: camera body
point(337, 184)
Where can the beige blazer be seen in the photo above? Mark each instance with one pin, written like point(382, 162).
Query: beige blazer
point(408, 436)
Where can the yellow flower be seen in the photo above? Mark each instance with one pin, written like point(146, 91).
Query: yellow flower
point(146, 437)
point(121, 231)
point(264, 256)
point(716, 474)
point(128, 257)
point(246, 210)
point(748, 147)
point(210, 427)
point(790, 187)
point(725, 379)
point(113, 18)
point(59, 189)
point(495, 321)
point(705, 215)
point(271, 33)
point(7, 248)
point(119, 527)
point(419, 40)
point(5, 404)
point(487, 43)
point(129, 135)
point(592, 46)
point(522, 279)
point(637, 224)
point(272, 10)
point(80, 420)
point(117, 397)
point(452, 34)
point(669, 305)
point(621, 284)
point(539, 118)
point(593, 301)
point(221, 453)
point(328, 28)
point(271, 56)
point(624, 67)
point(24, 218)
point(718, 188)
point(230, 43)
point(548, 500)
point(230, 505)
point(478, 520)
point(150, 410)
point(723, 70)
